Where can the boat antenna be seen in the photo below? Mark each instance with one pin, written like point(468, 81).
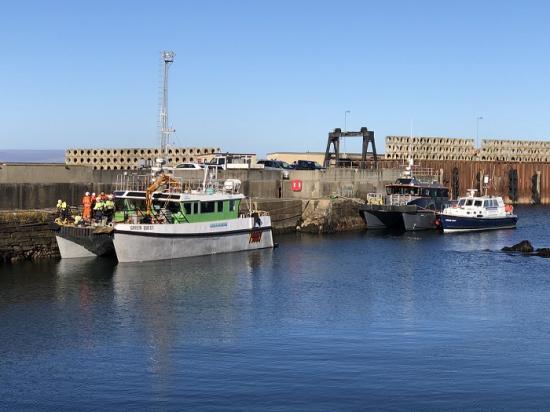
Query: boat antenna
point(165, 130)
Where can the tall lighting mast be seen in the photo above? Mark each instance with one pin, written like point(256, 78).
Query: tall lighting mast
point(165, 130)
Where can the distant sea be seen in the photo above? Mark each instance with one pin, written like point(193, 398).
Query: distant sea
point(32, 156)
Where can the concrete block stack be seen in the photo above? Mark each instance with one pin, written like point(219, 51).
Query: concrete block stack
point(515, 150)
point(429, 148)
point(133, 158)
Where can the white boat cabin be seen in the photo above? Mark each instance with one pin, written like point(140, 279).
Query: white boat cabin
point(479, 206)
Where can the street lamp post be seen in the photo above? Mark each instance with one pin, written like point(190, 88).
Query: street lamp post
point(477, 129)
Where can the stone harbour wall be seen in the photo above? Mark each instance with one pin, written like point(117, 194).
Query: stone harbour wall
point(331, 215)
point(24, 235)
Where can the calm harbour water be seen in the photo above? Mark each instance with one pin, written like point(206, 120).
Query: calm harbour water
point(350, 321)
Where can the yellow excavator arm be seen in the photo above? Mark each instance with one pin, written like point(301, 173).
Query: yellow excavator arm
point(162, 180)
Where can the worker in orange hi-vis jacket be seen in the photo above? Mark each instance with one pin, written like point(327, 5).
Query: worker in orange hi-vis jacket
point(87, 203)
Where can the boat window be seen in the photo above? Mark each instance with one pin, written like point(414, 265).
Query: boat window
point(469, 202)
point(136, 194)
point(231, 205)
point(120, 204)
point(207, 207)
point(220, 206)
point(461, 202)
point(425, 192)
point(173, 207)
point(196, 208)
point(478, 203)
point(130, 204)
point(187, 208)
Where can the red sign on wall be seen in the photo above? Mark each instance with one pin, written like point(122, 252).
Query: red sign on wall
point(296, 185)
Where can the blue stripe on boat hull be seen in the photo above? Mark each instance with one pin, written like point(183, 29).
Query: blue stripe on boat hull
point(465, 224)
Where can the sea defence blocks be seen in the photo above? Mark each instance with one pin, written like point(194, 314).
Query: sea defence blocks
point(134, 158)
point(429, 148)
point(448, 148)
point(515, 150)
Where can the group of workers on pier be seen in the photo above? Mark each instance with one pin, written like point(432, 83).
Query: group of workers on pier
point(95, 208)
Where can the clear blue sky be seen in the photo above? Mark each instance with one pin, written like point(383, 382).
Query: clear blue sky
point(263, 76)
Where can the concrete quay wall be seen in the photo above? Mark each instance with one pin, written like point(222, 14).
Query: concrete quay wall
point(38, 186)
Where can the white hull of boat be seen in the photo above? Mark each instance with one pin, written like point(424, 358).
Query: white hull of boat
point(69, 249)
point(482, 229)
point(143, 242)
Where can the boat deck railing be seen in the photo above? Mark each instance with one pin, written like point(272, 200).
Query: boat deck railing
point(390, 200)
point(398, 199)
point(135, 182)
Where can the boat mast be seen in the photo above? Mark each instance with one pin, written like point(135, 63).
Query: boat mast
point(165, 130)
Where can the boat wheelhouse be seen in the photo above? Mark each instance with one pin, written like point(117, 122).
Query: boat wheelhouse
point(477, 213)
point(176, 207)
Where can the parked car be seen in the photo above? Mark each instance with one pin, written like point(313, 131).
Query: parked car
point(307, 165)
point(274, 164)
point(195, 166)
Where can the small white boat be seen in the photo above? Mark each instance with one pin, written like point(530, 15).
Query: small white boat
point(477, 213)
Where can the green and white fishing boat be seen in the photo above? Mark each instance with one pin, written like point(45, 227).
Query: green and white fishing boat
point(171, 219)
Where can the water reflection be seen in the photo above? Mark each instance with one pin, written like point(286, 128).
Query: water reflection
point(188, 299)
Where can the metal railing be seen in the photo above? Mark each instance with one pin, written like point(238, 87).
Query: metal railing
point(375, 198)
point(398, 200)
point(135, 182)
point(391, 200)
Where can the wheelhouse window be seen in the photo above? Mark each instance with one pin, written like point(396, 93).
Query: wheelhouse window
point(187, 207)
point(173, 207)
point(207, 207)
point(130, 204)
point(478, 203)
point(462, 202)
point(232, 205)
point(220, 206)
point(196, 208)
point(469, 202)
